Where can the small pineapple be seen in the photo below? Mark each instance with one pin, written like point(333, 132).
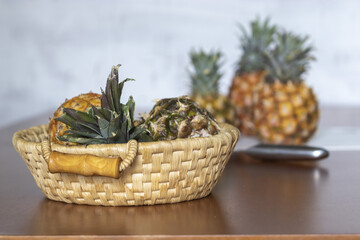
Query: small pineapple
point(251, 71)
point(180, 117)
point(286, 110)
point(79, 103)
point(205, 86)
point(97, 119)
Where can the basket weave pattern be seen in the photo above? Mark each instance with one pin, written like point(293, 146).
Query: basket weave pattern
point(162, 172)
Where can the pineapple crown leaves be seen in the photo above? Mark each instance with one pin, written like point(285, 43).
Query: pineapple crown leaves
point(113, 122)
point(205, 73)
point(289, 59)
point(254, 43)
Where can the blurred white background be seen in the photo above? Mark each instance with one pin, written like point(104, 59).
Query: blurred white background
point(52, 50)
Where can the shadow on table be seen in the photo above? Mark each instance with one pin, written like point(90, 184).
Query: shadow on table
point(193, 217)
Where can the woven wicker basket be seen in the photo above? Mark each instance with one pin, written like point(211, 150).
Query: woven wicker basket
point(161, 172)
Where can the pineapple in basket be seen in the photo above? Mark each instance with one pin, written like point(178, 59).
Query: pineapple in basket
point(179, 117)
point(205, 78)
point(250, 71)
point(286, 109)
point(97, 119)
point(79, 103)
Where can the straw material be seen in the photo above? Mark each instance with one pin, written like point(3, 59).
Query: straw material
point(162, 172)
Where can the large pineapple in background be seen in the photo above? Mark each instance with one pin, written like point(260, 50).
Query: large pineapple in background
point(250, 71)
point(286, 109)
point(205, 78)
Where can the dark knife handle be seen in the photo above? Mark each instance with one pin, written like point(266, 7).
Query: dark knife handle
point(286, 152)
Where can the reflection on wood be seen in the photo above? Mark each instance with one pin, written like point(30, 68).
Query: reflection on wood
point(192, 217)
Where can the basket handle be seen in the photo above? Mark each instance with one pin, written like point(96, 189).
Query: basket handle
point(132, 146)
point(86, 164)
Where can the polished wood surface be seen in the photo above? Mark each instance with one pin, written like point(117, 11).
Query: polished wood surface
point(253, 199)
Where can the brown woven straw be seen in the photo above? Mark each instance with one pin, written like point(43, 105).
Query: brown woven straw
point(161, 172)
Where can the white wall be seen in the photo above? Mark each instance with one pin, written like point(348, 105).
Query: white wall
point(52, 50)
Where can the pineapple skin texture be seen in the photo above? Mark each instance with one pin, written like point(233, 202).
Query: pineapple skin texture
point(241, 94)
point(285, 113)
point(180, 117)
point(219, 106)
point(79, 103)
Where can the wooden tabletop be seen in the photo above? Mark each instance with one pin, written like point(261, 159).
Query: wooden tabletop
point(253, 200)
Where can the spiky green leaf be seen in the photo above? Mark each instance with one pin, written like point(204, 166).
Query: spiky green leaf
point(71, 122)
point(289, 59)
point(205, 73)
point(81, 134)
point(109, 96)
point(113, 122)
point(121, 86)
point(76, 139)
point(104, 127)
point(254, 43)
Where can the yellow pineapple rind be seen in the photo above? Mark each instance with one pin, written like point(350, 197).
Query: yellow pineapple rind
point(79, 103)
point(241, 95)
point(219, 106)
point(289, 115)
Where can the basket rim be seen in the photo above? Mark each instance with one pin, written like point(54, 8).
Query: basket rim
point(225, 130)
